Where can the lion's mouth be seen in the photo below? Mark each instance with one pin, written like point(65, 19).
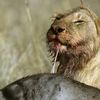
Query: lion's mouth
point(56, 45)
point(59, 41)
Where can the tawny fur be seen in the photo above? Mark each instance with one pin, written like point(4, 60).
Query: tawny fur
point(79, 55)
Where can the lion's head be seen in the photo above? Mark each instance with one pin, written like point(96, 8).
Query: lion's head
point(75, 34)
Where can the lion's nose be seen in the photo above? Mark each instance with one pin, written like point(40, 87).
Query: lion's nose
point(58, 29)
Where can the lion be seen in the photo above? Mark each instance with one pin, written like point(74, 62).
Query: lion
point(75, 34)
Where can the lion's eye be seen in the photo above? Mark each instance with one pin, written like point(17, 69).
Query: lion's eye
point(79, 22)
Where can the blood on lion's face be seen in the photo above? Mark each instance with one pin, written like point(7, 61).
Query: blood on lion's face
point(76, 36)
point(72, 30)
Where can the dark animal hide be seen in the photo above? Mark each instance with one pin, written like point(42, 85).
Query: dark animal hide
point(48, 87)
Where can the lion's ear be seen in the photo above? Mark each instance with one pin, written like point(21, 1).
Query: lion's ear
point(97, 22)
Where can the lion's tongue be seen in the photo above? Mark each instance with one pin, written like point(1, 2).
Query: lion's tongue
point(60, 47)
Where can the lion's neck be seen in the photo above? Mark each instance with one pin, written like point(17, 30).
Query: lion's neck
point(74, 60)
point(90, 74)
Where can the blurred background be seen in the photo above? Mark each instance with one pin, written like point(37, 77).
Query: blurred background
point(23, 27)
